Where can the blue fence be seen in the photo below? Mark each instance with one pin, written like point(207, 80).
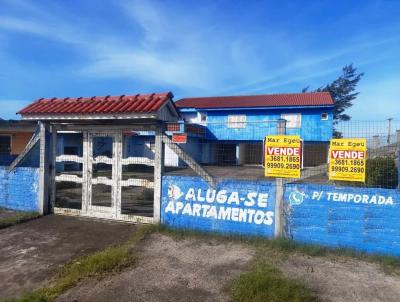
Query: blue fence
point(234, 206)
point(365, 219)
point(19, 189)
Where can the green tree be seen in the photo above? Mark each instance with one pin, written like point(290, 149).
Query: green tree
point(343, 92)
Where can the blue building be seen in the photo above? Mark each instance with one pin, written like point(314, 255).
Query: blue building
point(229, 130)
point(234, 126)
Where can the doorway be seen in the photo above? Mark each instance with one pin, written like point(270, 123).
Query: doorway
point(106, 189)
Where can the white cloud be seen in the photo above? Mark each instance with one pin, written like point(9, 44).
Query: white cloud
point(191, 52)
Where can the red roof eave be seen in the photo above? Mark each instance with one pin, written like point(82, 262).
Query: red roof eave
point(147, 103)
point(313, 99)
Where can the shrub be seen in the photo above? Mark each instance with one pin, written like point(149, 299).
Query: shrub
point(382, 173)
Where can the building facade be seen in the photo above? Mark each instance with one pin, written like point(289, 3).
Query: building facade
point(234, 127)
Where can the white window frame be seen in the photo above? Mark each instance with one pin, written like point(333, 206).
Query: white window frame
point(326, 116)
point(236, 121)
point(293, 120)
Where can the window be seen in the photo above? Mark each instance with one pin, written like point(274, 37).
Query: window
point(293, 120)
point(324, 116)
point(5, 144)
point(236, 121)
point(202, 116)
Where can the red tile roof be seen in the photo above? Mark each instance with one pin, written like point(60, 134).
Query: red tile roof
point(266, 100)
point(145, 103)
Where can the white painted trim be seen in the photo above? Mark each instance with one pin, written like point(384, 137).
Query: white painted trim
point(138, 161)
point(69, 158)
point(123, 217)
point(137, 182)
point(102, 181)
point(69, 178)
point(102, 160)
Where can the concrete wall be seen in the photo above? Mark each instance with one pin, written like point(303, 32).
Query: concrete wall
point(19, 189)
point(235, 206)
point(312, 127)
point(364, 219)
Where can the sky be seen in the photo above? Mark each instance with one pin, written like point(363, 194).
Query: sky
point(60, 48)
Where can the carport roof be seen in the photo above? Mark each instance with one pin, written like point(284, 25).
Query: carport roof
point(142, 105)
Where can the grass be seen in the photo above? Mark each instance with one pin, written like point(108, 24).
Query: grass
point(264, 282)
point(261, 282)
point(282, 248)
point(285, 247)
point(16, 217)
point(95, 265)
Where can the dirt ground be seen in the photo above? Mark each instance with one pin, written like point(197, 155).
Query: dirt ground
point(343, 280)
point(7, 214)
point(31, 252)
point(202, 270)
point(171, 270)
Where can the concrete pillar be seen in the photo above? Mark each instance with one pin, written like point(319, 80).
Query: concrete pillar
point(158, 172)
point(279, 222)
point(398, 136)
point(43, 205)
point(52, 168)
point(375, 141)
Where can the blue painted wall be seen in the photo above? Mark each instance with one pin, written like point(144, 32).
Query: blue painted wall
point(19, 189)
point(312, 127)
point(364, 219)
point(235, 206)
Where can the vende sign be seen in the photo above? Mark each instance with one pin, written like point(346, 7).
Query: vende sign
point(348, 154)
point(283, 151)
point(282, 156)
point(347, 159)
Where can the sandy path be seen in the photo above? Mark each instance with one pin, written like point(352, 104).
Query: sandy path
point(170, 270)
point(202, 270)
point(343, 280)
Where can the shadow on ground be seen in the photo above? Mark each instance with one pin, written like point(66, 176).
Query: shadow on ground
point(31, 252)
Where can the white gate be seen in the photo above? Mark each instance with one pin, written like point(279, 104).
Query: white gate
point(101, 178)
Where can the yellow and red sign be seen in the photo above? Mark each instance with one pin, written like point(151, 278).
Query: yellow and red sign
point(347, 159)
point(282, 155)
